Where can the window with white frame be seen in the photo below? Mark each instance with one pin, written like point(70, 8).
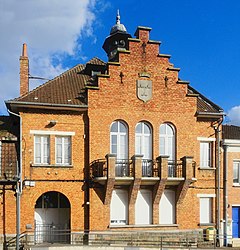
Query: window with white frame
point(119, 146)
point(206, 154)
point(167, 140)
point(236, 172)
point(63, 150)
point(206, 209)
point(119, 142)
point(143, 146)
point(41, 149)
point(143, 140)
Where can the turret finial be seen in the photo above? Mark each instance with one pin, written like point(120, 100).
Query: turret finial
point(118, 17)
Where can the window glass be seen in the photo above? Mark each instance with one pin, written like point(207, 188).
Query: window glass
point(63, 150)
point(205, 154)
point(52, 200)
point(138, 128)
point(143, 140)
point(41, 149)
point(114, 127)
point(236, 172)
point(119, 140)
point(167, 141)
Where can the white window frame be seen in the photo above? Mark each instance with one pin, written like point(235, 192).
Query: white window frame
point(206, 152)
point(167, 138)
point(122, 149)
point(206, 213)
point(42, 156)
point(236, 164)
point(145, 144)
point(62, 144)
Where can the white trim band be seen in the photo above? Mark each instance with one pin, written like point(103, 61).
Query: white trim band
point(46, 132)
point(206, 139)
point(206, 195)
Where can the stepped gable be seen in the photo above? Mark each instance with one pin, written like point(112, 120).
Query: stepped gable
point(231, 132)
point(204, 105)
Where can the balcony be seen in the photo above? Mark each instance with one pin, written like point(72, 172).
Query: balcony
point(125, 171)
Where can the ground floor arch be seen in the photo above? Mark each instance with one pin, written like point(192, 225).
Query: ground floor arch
point(52, 218)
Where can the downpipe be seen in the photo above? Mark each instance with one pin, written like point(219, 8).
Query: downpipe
point(218, 178)
point(18, 184)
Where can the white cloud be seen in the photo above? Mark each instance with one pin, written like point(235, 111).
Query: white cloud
point(234, 115)
point(51, 30)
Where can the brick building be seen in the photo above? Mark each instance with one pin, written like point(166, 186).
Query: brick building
point(123, 145)
point(231, 166)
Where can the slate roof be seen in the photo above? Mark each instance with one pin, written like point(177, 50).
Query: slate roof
point(204, 105)
point(96, 61)
point(64, 89)
point(9, 127)
point(231, 132)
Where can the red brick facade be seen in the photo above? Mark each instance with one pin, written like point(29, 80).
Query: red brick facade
point(114, 97)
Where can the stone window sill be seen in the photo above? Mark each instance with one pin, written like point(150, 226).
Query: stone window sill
point(206, 168)
point(51, 166)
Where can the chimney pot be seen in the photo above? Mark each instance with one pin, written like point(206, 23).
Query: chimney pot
point(24, 50)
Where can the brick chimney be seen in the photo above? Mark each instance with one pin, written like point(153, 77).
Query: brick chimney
point(24, 71)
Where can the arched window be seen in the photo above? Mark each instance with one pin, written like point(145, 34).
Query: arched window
point(143, 146)
point(119, 146)
point(167, 140)
point(167, 146)
point(143, 140)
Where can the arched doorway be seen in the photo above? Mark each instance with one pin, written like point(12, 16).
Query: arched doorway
point(52, 218)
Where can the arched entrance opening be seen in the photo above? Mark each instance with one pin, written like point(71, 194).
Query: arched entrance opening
point(52, 218)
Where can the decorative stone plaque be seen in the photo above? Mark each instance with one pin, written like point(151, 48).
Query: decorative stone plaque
point(144, 90)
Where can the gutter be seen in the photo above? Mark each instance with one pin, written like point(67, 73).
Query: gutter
point(210, 114)
point(42, 105)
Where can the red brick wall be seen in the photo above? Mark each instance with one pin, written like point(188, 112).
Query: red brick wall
point(169, 103)
point(67, 180)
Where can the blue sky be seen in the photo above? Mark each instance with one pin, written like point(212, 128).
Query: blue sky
point(201, 36)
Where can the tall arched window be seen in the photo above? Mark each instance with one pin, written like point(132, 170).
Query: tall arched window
point(119, 146)
point(167, 146)
point(143, 146)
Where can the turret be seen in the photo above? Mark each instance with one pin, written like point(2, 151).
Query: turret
point(117, 40)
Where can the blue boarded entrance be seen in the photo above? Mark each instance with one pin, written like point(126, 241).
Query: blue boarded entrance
point(235, 222)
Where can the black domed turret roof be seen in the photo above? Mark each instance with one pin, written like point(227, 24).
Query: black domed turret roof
point(118, 27)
